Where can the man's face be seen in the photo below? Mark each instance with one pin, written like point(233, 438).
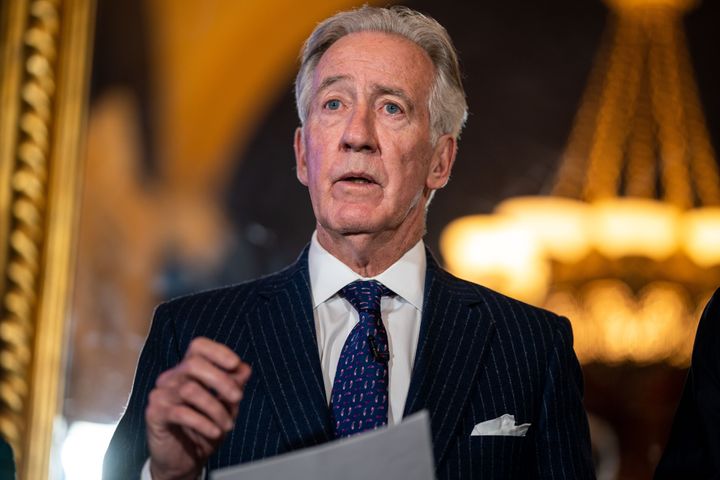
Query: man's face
point(364, 151)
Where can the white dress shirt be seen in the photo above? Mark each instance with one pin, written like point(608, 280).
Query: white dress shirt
point(335, 317)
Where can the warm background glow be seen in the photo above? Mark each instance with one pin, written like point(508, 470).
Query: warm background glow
point(190, 184)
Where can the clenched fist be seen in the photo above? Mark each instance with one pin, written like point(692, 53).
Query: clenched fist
point(192, 407)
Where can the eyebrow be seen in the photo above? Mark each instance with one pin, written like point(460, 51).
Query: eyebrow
point(377, 89)
point(396, 92)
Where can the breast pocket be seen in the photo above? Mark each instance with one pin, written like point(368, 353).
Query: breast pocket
point(494, 456)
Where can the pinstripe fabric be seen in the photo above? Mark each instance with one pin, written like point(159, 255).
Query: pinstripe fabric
point(479, 355)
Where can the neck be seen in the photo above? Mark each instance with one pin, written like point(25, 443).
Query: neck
point(369, 254)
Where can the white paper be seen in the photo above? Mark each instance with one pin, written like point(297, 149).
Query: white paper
point(399, 452)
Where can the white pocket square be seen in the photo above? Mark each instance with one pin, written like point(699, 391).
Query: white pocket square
point(501, 426)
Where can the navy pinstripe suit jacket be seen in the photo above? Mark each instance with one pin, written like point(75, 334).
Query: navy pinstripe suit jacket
point(480, 355)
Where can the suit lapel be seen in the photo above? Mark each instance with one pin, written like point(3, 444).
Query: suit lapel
point(453, 336)
point(283, 335)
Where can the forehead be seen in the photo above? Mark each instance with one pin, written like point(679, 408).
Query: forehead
point(377, 58)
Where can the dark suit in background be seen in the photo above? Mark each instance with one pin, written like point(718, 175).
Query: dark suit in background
point(480, 355)
point(7, 461)
point(693, 450)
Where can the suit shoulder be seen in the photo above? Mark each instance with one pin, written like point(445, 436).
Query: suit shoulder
point(236, 297)
point(505, 309)
point(210, 296)
point(248, 287)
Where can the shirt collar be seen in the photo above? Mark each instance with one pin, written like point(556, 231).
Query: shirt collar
point(405, 277)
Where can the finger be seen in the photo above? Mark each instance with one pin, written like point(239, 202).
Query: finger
point(162, 397)
point(187, 417)
point(203, 446)
point(201, 400)
point(160, 401)
point(212, 377)
point(242, 374)
point(169, 378)
point(214, 352)
point(174, 375)
point(163, 416)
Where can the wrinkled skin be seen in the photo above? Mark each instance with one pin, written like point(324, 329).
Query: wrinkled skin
point(365, 151)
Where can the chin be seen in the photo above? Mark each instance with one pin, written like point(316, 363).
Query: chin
point(353, 216)
point(355, 225)
point(356, 228)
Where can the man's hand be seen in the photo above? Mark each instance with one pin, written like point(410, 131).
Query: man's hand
point(192, 407)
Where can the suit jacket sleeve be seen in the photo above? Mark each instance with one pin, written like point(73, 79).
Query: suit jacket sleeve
point(693, 450)
point(562, 438)
point(128, 448)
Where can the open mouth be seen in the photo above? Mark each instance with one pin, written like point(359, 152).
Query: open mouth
point(358, 179)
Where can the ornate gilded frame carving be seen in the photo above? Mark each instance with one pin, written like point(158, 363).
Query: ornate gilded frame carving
point(44, 60)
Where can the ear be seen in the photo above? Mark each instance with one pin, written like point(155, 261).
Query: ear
point(300, 161)
point(442, 162)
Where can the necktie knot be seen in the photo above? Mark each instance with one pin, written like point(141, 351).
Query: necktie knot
point(365, 295)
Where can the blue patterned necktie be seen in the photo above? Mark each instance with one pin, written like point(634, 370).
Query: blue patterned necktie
point(360, 390)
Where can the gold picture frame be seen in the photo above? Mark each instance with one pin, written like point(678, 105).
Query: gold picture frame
point(44, 58)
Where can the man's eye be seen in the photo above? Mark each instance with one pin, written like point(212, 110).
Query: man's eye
point(332, 104)
point(392, 109)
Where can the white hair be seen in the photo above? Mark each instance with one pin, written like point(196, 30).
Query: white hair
point(447, 104)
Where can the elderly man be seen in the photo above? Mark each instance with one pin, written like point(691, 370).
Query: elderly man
point(365, 328)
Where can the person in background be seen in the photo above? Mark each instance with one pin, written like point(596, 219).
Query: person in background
point(7, 461)
point(693, 450)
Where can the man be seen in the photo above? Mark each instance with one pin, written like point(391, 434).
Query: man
point(381, 106)
point(693, 451)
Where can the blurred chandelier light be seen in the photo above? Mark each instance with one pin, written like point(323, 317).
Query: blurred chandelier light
point(628, 243)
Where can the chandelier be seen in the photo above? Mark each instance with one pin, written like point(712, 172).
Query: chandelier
point(627, 245)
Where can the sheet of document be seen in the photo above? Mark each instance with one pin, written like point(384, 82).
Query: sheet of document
point(400, 452)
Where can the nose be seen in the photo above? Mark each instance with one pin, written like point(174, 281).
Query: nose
point(359, 134)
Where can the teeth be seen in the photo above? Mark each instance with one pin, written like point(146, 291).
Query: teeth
point(359, 180)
